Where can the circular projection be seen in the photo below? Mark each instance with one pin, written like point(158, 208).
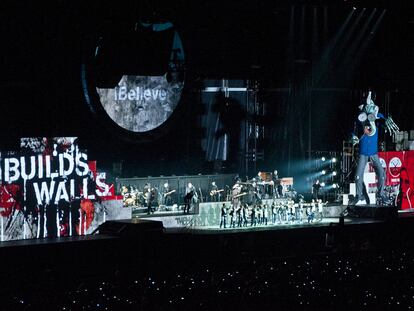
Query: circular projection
point(135, 84)
point(141, 103)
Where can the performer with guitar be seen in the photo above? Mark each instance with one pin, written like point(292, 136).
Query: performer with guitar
point(215, 192)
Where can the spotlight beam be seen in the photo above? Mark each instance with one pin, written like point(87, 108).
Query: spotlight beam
point(350, 60)
point(322, 65)
point(350, 32)
point(371, 35)
point(361, 35)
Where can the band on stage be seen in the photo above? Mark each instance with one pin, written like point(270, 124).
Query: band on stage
point(260, 200)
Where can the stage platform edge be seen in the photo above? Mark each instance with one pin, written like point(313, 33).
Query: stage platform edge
point(131, 227)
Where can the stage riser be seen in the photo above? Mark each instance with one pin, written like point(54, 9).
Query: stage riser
point(209, 215)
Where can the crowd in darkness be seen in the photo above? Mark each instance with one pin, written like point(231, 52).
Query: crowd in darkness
point(366, 280)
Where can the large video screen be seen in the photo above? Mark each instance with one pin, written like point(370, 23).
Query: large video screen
point(141, 103)
point(49, 188)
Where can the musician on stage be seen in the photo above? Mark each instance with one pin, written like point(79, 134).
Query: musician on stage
point(256, 196)
point(315, 189)
point(236, 192)
point(149, 193)
point(279, 190)
point(167, 194)
point(214, 193)
point(189, 198)
point(275, 179)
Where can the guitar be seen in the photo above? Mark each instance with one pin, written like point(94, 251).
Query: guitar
point(168, 193)
point(214, 192)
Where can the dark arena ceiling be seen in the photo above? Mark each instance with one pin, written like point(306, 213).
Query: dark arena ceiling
point(276, 42)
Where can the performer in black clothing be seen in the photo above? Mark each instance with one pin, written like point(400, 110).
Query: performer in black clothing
point(315, 189)
point(149, 194)
point(190, 195)
point(239, 216)
point(244, 211)
point(253, 216)
point(279, 190)
point(223, 215)
point(232, 215)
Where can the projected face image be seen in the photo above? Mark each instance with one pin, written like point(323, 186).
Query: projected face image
point(141, 103)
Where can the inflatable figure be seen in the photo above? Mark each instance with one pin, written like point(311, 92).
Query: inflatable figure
point(369, 118)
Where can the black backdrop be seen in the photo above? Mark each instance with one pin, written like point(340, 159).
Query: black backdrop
point(278, 44)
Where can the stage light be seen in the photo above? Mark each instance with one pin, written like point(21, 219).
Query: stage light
point(323, 172)
point(334, 173)
point(323, 159)
point(333, 160)
point(322, 184)
point(335, 186)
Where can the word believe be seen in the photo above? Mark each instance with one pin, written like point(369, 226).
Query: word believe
point(139, 93)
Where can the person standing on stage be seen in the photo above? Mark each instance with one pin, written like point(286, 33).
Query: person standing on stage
point(166, 193)
point(300, 210)
point(214, 194)
point(275, 179)
point(274, 213)
point(236, 192)
point(223, 216)
point(258, 214)
point(319, 215)
point(232, 215)
point(310, 211)
point(253, 216)
point(245, 210)
point(149, 194)
point(279, 189)
point(265, 214)
point(190, 195)
point(315, 189)
point(239, 217)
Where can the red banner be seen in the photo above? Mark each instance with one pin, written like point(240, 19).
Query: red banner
point(399, 169)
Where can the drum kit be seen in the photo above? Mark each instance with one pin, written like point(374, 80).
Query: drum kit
point(134, 197)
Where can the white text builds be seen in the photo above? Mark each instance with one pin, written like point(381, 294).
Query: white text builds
point(60, 176)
